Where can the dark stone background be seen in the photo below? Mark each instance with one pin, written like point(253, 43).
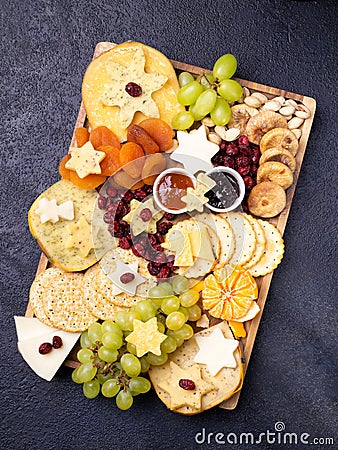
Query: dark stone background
point(292, 377)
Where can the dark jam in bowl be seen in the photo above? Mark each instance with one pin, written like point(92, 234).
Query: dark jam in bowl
point(171, 188)
point(226, 191)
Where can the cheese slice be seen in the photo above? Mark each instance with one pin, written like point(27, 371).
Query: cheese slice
point(200, 244)
point(30, 327)
point(184, 257)
point(46, 366)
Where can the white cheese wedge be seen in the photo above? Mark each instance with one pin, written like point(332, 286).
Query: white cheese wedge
point(31, 334)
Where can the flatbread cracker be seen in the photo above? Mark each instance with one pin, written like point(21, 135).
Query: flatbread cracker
point(273, 253)
point(260, 242)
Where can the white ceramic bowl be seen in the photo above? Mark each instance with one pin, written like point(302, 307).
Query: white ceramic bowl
point(156, 183)
point(240, 183)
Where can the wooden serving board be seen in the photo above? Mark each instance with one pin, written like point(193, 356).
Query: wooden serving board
point(279, 221)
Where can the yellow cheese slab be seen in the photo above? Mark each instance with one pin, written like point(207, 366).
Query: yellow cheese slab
point(201, 244)
point(52, 237)
point(96, 80)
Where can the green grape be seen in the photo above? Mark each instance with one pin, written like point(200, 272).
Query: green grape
point(84, 340)
point(124, 400)
point(131, 348)
point(108, 326)
point(224, 67)
point(130, 317)
point(182, 120)
point(95, 332)
point(85, 355)
point(86, 372)
point(205, 102)
point(206, 79)
point(175, 320)
point(160, 327)
point(194, 312)
point(186, 332)
point(180, 284)
point(170, 304)
point(145, 309)
point(131, 364)
point(179, 341)
point(194, 113)
point(91, 389)
point(185, 78)
point(168, 287)
point(110, 388)
point(189, 298)
point(156, 360)
point(75, 376)
point(184, 310)
point(112, 340)
point(189, 93)
point(159, 291)
point(168, 345)
point(221, 114)
point(230, 90)
point(144, 364)
point(139, 385)
point(122, 320)
point(107, 354)
point(103, 377)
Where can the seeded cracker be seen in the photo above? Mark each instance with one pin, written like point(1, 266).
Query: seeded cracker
point(260, 242)
point(273, 253)
point(64, 305)
point(245, 238)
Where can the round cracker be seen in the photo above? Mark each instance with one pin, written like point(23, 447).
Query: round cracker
point(226, 382)
point(273, 253)
point(37, 293)
point(225, 234)
point(260, 242)
point(64, 305)
point(245, 238)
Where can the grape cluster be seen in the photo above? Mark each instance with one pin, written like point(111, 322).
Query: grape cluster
point(109, 364)
point(208, 94)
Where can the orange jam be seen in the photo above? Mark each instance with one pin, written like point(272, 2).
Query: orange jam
point(171, 188)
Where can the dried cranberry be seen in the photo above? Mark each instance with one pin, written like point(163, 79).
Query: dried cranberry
point(133, 89)
point(159, 238)
point(143, 240)
point(255, 154)
point(138, 249)
point(231, 149)
point(168, 216)
point(228, 161)
point(249, 182)
point(102, 202)
point(128, 196)
point(57, 342)
point(108, 217)
point(112, 207)
point(127, 277)
point(243, 140)
point(140, 194)
point(45, 348)
point(244, 150)
point(152, 239)
point(217, 159)
point(186, 384)
point(111, 191)
point(223, 145)
point(164, 272)
point(164, 227)
point(244, 170)
point(254, 169)
point(160, 258)
point(124, 243)
point(153, 269)
point(146, 214)
point(158, 248)
point(242, 161)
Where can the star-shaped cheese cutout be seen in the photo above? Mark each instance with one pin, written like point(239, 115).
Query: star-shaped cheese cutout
point(80, 236)
point(216, 351)
point(115, 268)
point(116, 94)
point(195, 198)
point(182, 397)
point(146, 337)
point(48, 210)
point(138, 225)
point(85, 160)
point(194, 150)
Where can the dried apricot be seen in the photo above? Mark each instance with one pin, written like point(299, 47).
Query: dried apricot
point(160, 131)
point(65, 173)
point(153, 166)
point(81, 136)
point(111, 162)
point(124, 180)
point(129, 159)
point(104, 136)
point(140, 136)
point(89, 182)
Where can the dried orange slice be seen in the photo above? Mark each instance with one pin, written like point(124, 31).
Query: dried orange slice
point(228, 292)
